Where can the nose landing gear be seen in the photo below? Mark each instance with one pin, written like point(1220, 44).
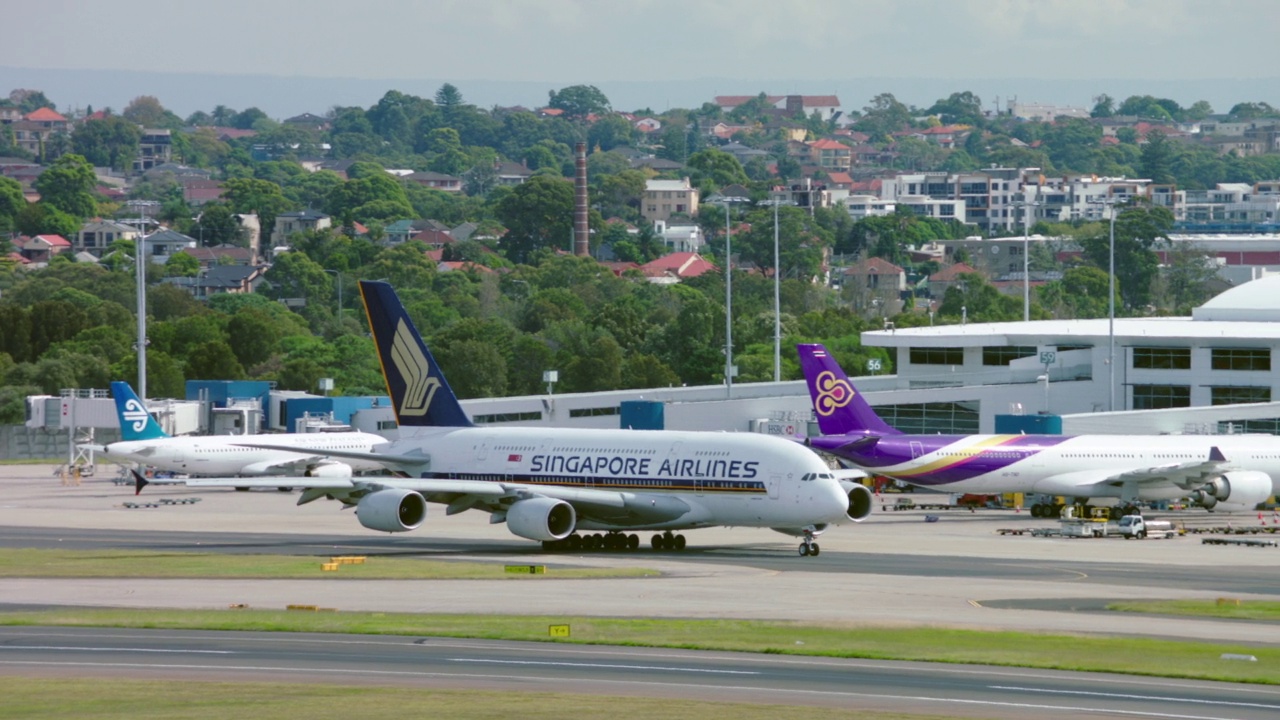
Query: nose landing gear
point(809, 548)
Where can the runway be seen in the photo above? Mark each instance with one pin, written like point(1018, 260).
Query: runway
point(954, 690)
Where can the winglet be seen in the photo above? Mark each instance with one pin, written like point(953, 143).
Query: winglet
point(1215, 455)
point(419, 393)
point(840, 408)
point(135, 422)
point(139, 482)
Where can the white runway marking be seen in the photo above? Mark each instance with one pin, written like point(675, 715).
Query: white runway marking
point(1127, 696)
point(116, 649)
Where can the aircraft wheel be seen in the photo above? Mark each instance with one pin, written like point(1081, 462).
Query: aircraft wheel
point(242, 489)
point(804, 549)
point(679, 544)
point(814, 550)
point(633, 542)
point(575, 542)
point(550, 546)
point(658, 543)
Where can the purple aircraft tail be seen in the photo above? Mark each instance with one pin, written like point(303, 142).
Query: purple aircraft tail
point(838, 406)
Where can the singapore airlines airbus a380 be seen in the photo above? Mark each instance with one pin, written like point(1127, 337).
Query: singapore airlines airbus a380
point(550, 484)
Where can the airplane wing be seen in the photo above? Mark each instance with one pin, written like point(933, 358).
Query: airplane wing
point(460, 495)
point(1186, 476)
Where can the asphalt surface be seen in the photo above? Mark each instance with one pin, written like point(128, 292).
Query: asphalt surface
point(956, 690)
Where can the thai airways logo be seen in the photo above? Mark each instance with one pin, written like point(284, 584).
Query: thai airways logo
point(136, 415)
point(419, 386)
point(832, 393)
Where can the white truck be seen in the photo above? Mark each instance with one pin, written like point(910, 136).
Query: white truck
point(1136, 526)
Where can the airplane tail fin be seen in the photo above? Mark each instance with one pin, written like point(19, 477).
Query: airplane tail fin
point(419, 393)
point(135, 422)
point(839, 407)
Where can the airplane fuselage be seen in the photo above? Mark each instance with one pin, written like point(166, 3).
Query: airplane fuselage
point(225, 455)
point(1050, 464)
point(685, 479)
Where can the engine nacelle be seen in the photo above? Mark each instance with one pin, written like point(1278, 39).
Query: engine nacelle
point(392, 510)
point(860, 502)
point(329, 470)
point(1235, 491)
point(542, 519)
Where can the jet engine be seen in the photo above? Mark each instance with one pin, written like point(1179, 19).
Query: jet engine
point(392, 510)
point(542, 519)
point(860, 500)
point(329, 470)
point(1234, 491)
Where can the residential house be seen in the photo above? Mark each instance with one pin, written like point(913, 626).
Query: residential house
point(944, 136)
point(656, 164)
point(221, 279)
point(450, 265)
point(826, 106)
point(41, 248)
point(830, 155)
point(36, 127)
point(307, 121)
point(664, 198)
point(292, 222)
point(155, 148)
point(948, 276)
point(198, 193)
point(161, 245)
point(398, 232)
point(96, 235)
point(681, 238)
point(743, 153)
point(221, 255)
point(436, 181)
point(875, 274)
point(510, 173)
point(648, 125)
point(434, 239)
point(671, 269)
point(865, 206)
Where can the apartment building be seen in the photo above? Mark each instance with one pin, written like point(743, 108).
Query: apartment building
point(664, 198)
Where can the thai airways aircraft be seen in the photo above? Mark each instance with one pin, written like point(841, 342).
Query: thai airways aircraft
point(554, 485)
point(144, 441)
point(1228, 473)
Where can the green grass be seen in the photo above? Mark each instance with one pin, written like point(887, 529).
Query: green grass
point(1133, 656)
point(1224, 608)
point(149, 564)
point(92, 699)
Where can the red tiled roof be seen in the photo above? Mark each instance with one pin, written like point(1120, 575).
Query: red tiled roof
point(840, 178)
point(947, 274)
point(681, 264)
point(828, 144)
point(17, 257)
point(45, 114)
point(618, 267)
point(462, 265)
point(435, 255)
point(55, 240)
point(873, 265)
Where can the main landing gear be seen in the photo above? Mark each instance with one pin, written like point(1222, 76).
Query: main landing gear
point(809, 548)
point(667, 541)
point(593, 542)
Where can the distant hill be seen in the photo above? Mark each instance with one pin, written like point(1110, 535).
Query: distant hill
point(282, 97)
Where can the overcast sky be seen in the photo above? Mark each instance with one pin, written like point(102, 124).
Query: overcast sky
point(600, 40)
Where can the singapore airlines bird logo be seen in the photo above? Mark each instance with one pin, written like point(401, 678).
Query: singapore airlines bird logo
point(832, 393)
point(135, 414)
point(419, 386)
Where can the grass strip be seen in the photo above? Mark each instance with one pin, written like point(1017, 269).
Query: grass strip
point(38, 563)
point(1221, 608)
point(1127, 655)
point(37, 698)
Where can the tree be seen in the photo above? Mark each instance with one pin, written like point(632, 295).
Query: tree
point(251, 195)
point(609, 132)
point(1137, 230)
point(475, 369)
point(883, 116)
point(374, 197)
point(181, 265)
point(1158, 156)
point(1104, 106)
point(213, 361)
point(449, 99)
point(716, 169)
point(217, 225)
point(960, 107)
point(538, 215)
point(68, 186)
point(146, 110)
point(109, 142)
point(579, 101)
point(246, 119)
point(43, 219)
point(12, 202)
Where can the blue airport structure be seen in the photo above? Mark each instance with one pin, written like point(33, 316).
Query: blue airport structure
point(642, 415)
point(1029, 424)
point(342, 408)
point(220, 392)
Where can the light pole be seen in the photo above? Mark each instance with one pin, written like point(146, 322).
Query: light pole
point(1111, 304)
point(140, 267)
point(1026, 256)
point(777, 292)
point(728, 292)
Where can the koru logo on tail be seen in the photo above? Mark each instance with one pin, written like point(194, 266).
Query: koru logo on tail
point(135, 414)
point(832, 393)
point(419, 386)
